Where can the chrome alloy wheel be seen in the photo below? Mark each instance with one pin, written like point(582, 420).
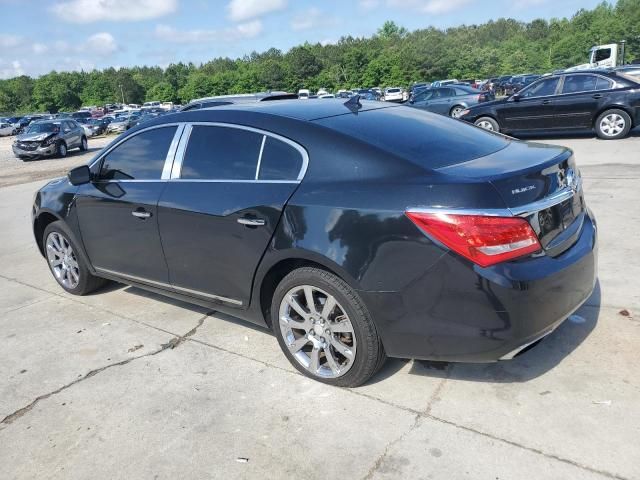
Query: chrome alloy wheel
point(62, 260)
point(612, 125)
point(317, 331)
point(455, 113)
point(485, 124)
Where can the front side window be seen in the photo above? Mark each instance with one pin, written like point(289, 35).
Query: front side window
point(221, 153)
point(579, 83)
point(140, 157)
point(280, 161)
point(543, 88)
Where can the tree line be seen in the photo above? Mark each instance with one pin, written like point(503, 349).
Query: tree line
point(391, 57)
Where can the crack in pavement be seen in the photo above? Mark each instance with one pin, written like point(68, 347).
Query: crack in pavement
point(426, 415)
point(376, 465)
point(171, 344)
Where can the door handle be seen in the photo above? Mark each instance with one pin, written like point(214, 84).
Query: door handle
point(597, 96)
point(546, 102)
point(252, 222)
point(142, 214)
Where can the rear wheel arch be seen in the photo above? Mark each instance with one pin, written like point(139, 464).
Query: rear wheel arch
point(276, 273)
point(613, 107)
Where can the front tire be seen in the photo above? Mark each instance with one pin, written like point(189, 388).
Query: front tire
point(62, 149)
point(613, 124)
point(487, 123)
point(66, 263)
point(324, 328)
point(456, 111)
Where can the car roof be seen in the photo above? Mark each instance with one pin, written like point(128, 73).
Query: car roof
point(303, 110)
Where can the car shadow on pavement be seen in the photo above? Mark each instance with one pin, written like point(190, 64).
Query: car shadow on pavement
point(531, 363)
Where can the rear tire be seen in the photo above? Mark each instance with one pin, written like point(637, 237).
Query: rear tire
point(344, 338)
point(66, 263)
point(613, 124)
point(487, 123)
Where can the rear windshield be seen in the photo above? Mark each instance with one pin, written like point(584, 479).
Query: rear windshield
point(393, 90)
point(427, 139)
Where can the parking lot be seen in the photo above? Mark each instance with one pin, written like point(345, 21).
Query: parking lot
point(133, 385)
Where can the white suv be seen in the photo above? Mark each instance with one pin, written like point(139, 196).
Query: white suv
point(393, 94)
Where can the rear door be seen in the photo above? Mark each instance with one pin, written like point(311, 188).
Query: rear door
point(442, 100)
point(220, 209)
point(118, 211)
point(533, 109)
point(580, 99)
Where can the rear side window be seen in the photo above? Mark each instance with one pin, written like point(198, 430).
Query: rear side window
point(140, 157)
point(603, 84)
point(221, 153)
point(579, 83)
point(280, 161)
point(423, 138)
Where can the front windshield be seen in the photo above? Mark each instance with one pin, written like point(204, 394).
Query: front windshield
point(44, 128)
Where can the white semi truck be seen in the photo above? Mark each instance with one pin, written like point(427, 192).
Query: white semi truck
point(603, 56)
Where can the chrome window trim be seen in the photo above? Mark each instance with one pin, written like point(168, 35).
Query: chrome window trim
point(180, 153)
point(561, 85)
point(182, 148)
point(167, 285)
point(612, 82)
point(171, 154)
point(521, 211)
point(264, 139)
point(122, 140)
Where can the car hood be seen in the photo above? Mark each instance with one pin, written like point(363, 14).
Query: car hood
point(34, 137)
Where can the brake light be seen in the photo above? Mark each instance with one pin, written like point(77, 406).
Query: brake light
point(484, 240)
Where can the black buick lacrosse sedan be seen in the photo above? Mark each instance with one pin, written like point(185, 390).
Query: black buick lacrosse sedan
point(354, 231)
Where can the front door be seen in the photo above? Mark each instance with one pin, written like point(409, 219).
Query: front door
point(532, 109)
point(218, 216)
point(118, 213)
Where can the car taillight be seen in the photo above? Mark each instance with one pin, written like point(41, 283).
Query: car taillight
point(484, 240)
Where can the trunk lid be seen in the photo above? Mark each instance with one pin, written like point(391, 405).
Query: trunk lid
point(538, 182)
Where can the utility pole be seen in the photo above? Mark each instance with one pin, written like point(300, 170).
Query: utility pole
point(122, 93)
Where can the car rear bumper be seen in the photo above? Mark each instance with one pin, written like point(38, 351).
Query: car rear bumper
point(464, 313)
point(38, 152)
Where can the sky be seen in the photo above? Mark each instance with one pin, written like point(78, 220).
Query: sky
point(37, 36)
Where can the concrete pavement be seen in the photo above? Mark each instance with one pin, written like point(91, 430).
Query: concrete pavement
point(127, 384)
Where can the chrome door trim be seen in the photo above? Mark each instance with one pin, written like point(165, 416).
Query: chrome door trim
point(177, 164)
point(252, 222)
point(167, 286)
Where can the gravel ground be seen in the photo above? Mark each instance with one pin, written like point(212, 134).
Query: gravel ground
point(14, 171)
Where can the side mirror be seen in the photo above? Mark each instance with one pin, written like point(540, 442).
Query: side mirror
point(79, 175)
point(515, 97)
